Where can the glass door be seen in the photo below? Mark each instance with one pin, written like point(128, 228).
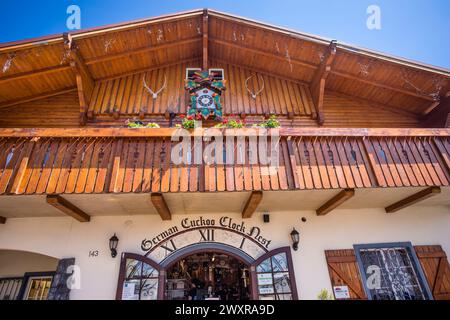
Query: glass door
point(273, 276)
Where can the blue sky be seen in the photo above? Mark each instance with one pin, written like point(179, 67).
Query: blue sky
point(413, 29)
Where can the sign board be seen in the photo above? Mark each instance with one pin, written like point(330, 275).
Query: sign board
point(341, 292)
point(128, 292)
point(224, 230)
point(265, 279)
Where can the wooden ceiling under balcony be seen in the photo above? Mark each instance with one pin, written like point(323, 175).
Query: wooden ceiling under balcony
point(48, 66)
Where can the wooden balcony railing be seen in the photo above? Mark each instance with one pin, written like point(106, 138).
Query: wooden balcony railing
point(114, 160)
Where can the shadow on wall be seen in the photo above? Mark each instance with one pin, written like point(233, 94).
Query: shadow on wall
point(25, 275)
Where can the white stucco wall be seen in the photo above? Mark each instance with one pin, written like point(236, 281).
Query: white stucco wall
point(65, 237)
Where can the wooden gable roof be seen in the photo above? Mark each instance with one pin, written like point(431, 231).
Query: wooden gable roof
point(53, 65)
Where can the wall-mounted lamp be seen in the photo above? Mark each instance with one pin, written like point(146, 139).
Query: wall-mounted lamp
point(295, 236)
point(113, 242)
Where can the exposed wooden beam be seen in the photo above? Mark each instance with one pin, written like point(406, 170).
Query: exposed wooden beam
point(67, 208)
point(317, 86)
point(37, 97)
point(431, 107)
point(2, 220)
point(380, 85)
point(35, 73)
point(252, 203)
point(335, 202)
point(437, 118)
point(161, 206)
point(306, 64)
point(415, 198)
point(374, 104)
point(205, 39)
point(262, 52)
point(84, 80)
point(140, 70)
point(261, 71)
point(141, 50)
point(169, 132)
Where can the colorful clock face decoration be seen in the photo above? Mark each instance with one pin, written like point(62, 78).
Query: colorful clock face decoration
point(205, 99)
point(205, 93)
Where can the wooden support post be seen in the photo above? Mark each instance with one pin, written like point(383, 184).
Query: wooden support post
point(2, 220)
point(205, 39)
point(19, 171)
point(438, 117)
point(85, 82)
point(252, 203)
point(67, 208)
point(161, 206)
point(415, 198)
point(335, 202)
point(317, 86)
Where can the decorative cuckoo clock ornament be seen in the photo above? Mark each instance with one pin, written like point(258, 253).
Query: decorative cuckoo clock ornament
point(205, 93)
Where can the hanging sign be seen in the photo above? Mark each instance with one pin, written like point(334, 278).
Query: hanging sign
point(224, 230)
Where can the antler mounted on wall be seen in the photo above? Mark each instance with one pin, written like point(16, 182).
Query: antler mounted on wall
point(254, 94)
point(155, 94)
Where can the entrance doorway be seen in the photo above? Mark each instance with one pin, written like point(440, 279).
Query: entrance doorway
point(208, 276)
point(208, 271)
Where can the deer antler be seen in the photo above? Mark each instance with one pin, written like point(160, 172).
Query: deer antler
point(155, 94)
point(254, 94)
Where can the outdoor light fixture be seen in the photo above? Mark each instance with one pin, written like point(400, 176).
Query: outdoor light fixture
point(295, 236)
point(113, 242)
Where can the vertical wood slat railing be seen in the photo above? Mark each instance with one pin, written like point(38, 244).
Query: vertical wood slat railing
point(58, 165)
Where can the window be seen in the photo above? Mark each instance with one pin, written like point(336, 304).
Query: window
point(141, 281)
point(273, 278)
point(38, 288)
point(218, 74)
point(191, 71)
point(9, 288)
point(391, 272)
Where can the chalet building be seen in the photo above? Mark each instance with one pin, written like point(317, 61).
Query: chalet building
point(202, 155)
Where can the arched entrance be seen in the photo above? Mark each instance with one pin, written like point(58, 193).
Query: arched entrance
point(208, 275)
point(269, 277)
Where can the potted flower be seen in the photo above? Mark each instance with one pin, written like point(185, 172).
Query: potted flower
point(188, 122)
point(139, 124)
point(231, 123)
point(270, 123)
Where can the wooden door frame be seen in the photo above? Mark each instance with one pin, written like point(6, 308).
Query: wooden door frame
point(287, 250)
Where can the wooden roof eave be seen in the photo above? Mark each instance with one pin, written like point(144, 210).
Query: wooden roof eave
point(168, 132)
point(340, 45)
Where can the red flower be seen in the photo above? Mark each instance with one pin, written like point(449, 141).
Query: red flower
point(190, 118)
point(232, 115)
point(225, 121)
point(182, 116)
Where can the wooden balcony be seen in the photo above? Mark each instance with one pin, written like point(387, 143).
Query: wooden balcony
point(122, 160)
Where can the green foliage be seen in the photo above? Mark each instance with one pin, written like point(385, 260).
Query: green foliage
point(270, 123)
point(139, 124)
point(325, 295)
point(231, 123)
point(187, 122)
